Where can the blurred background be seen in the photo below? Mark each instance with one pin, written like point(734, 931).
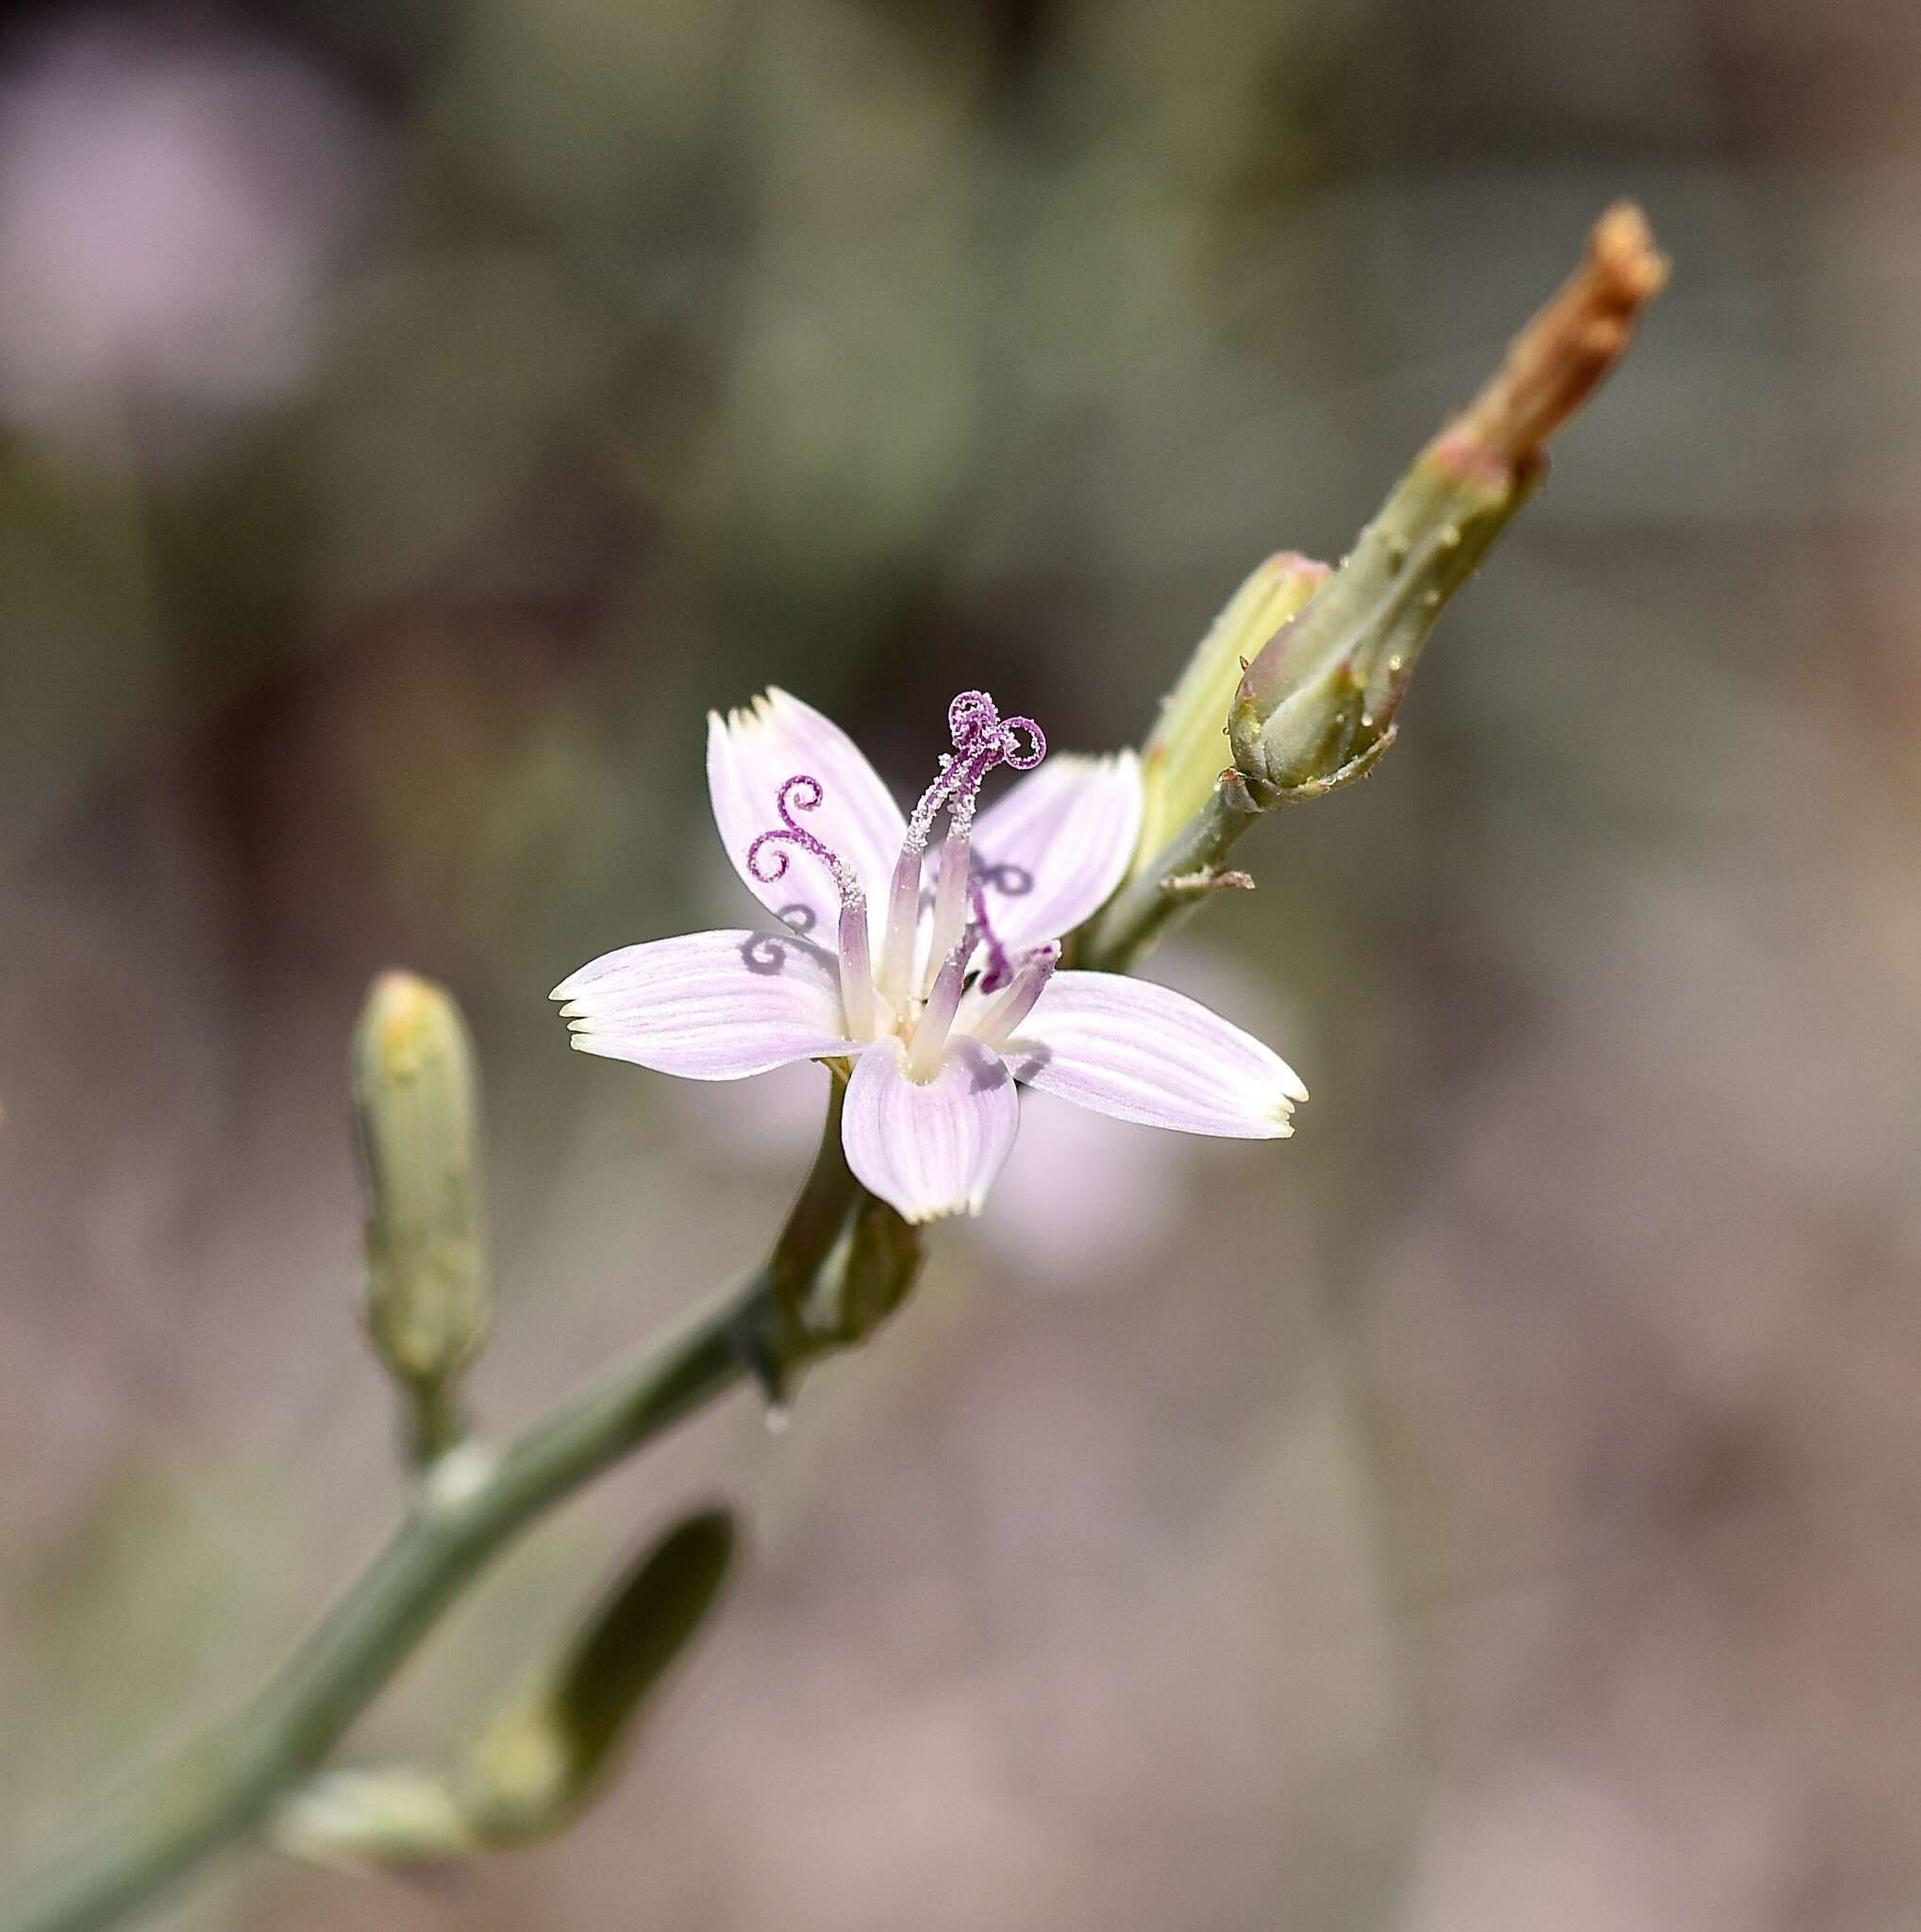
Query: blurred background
point(1494, 1508)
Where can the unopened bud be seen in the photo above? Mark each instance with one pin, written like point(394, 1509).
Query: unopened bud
point(1188, 746)
point(1316, 707)
point(1317, 704)
point(416, 1098)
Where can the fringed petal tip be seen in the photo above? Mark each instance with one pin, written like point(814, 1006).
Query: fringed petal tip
point(957, 1211)
point(708, 1006)
point(1145, 1053)
point(584, 1040)
point(763, 709)
point(751, 752)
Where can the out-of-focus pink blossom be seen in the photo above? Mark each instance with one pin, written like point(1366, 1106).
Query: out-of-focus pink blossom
point(171, 216)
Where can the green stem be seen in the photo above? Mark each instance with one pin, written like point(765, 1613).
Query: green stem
point(433, 1420)
point(1178, 881)
point(816, 1220)
point(469, 1507)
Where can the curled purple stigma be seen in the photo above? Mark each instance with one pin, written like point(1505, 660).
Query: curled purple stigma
point(982, 739)
point(803, 791)
point(979, 732)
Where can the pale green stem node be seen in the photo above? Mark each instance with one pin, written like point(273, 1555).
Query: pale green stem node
point(394, 1815)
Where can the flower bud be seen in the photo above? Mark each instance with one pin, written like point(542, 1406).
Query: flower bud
point(417, 1101)
point(1316, 706)
point(1187, 748)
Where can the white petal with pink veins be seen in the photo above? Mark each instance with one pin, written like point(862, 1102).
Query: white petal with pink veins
point(708, 1006)
point(930, 1149)
point(1143, 1053)
point(750, 753)
point(1051, 851)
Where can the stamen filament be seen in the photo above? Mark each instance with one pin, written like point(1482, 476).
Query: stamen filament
point(857, 968)
point(982, 739)
point(952, 893)
point(937, 1017)
point(903, 918)
point(996, 1024)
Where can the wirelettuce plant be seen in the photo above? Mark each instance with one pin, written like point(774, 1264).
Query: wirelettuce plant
point(932, 982)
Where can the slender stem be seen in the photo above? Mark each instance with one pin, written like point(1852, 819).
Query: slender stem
point(433, 1420)
point(470, 1506)
point(816, 1220)
point(1139, 916)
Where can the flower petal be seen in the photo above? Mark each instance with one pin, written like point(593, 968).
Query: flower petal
point(1145, 1053)
point(710, 1006)
point(750, 753)
point(934, 1149)
point(1051, 852)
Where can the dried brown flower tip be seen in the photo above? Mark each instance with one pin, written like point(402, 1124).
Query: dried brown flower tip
point(1566, 352)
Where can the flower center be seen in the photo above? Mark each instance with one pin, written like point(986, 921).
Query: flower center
point(982, 739)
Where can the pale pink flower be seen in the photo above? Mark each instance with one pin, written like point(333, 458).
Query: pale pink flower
point(943, 986)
